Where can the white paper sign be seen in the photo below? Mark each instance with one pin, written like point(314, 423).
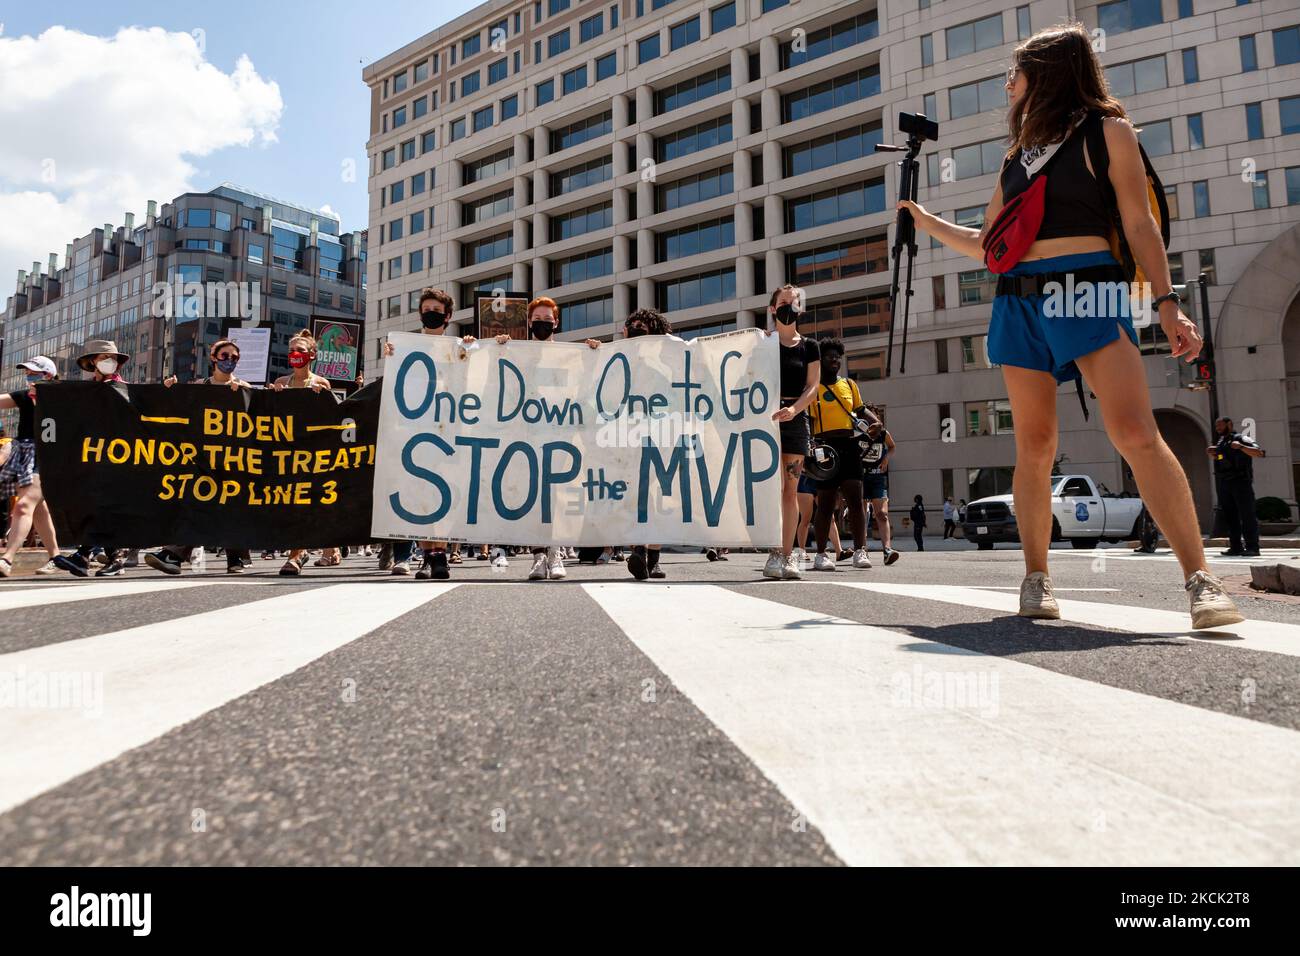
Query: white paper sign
point(651, 440)
point(254, 353)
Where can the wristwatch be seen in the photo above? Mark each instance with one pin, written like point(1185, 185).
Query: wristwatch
point(1178, 299)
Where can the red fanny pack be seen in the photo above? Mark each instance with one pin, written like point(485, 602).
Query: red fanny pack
point(1017, 223)
point(1015, 228)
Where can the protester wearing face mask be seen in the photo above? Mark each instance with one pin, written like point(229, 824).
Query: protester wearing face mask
point(104, 363)
point(436, 308)
point(643, 561)
point(224, 356)
point(836, 416)
point(18, 475)
point(543, 323)
point(800, 378)
point(302, 352)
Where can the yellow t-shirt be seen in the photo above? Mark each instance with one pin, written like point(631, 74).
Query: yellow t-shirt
point(830, 415)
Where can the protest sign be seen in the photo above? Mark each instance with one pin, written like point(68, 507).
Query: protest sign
point(142, 465)
point(647, 440)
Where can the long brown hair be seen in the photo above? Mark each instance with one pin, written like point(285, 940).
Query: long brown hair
point(1063, 76)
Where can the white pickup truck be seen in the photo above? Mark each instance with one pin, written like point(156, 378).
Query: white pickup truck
point(1083, 512)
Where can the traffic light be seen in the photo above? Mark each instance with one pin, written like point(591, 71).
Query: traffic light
point(1204, 371)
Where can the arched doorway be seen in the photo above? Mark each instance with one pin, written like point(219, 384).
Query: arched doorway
point(1188, 443)
point(1291, 352)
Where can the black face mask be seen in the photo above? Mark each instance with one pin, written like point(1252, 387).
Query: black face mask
point(830, 374)
point(433, 320)
point(541, 330)
point(785, 313)
point(636, 330)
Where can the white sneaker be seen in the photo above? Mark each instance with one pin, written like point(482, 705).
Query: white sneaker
point(401, 568)
point(800, 556)
point(861, 559)
point(49, 567)
point(555, 562)
point(775, 563)
point(541, 569)
point(604, 558)
point(499, 559)
point(790, 571)
point(1037, 599)
point(824, 562)
point(1211, 607)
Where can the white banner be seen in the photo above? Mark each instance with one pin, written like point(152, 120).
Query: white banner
point(651, 440)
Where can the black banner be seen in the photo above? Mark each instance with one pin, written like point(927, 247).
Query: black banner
point(143, 465)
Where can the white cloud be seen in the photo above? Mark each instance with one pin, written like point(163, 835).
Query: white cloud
point(94, 127)
point(326, 210)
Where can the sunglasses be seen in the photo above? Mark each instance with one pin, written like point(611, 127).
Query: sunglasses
point(1011, 75)
point(227, 356)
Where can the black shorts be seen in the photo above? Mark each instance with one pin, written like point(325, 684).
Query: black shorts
point(795, 435)
point(848, 464)
point(875, 486)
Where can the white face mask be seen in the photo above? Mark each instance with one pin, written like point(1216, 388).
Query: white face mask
point(106, 366)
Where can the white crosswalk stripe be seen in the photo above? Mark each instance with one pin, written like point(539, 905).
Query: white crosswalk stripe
point(139, 683)
point(1020, 766)
point(1271, 556)
point(898, 749)
point(1253, 635)
point(44, 595)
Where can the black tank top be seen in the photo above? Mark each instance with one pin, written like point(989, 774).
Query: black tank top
point(1073, 204)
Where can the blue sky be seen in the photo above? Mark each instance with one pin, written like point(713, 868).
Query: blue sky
point(313, 52)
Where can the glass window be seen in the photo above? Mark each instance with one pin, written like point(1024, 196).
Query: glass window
point(574, 80)
point(408, 150)
point(684, 33)
point(457, 130)
point(591, 28)
point(557, 43)
point(1286, 46)
point(722, 18)
point(1248, 59)
point(973, 37)
point(544, 92)
point(417, 222)
point(1124, 15)
point(396, 192)
point(510, 107)
point(421, 71)
point(399, 82)
point(1157, 138)
point(978, 97)
point(1288, 109)
point(690, 91)
point(1292, 185)
point(498, 71)
point(1023, 30)
point(198, 218)
point(927, 50)
point(832, 39)
point(399, 117)
point(429, 142)
point(483, 118)
point(1254, 121)
point(256, 252)
point(389, 158)
point(417, 184)
point(469, 46)
point(606, 66)
point(1195, 132)
point(1191, 68)
point(1259, 190)
point(1201, 198)
point(469, 83)
point(647, 48)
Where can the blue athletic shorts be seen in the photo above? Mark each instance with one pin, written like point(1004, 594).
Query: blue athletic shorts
point(1021, 335)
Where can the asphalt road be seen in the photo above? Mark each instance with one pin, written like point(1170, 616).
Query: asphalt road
point(892, 715)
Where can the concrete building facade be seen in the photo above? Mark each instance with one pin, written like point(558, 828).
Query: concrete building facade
point(289, 261)
point(693, 155)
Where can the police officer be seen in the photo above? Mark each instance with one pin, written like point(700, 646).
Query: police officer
point(1234, 478)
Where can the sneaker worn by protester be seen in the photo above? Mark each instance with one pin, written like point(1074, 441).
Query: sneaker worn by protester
point(293, 567)
point(844, 555)
point(72, 563)
point(638, 564)
point(116, 565)
point(1037, 599)
point(1211, 606)
point(656, 572)
point(437, 566)
point(235, 566)
point(163, 561)
point(133, 559)
point(555, 563)
point(541, 568)
point(774, 566)
point(499, 558)
point(861, 559)
point(824, 562)
point(49, 567)
point(790, 571)
point(401, 569)
point(891, 556)
point(711, 553)
point(6, 567)
point(1233, 553)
